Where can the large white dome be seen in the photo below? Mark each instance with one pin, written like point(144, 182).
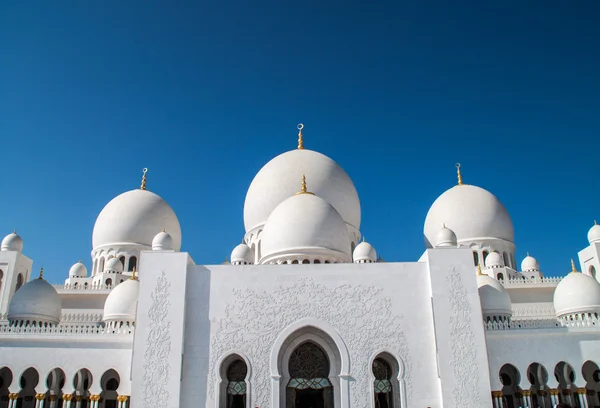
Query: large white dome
point(577, 293)
point(135, 217)
point(36, 301)
point(471, 212)
point(278, 180)
point(305, 224)
point(121, 303)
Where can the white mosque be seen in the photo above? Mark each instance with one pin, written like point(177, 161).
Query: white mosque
point(305, 314)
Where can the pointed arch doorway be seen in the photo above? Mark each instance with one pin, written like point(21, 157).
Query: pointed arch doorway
point(309, 385)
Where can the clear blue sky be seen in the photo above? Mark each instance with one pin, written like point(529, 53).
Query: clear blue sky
point(205, 93)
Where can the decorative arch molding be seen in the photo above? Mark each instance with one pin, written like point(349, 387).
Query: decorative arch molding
point(400, 391)
point(220, 375)
point(320, 325)
point(326, 337)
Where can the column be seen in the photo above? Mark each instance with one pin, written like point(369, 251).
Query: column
point(39, 400)
point(526, 398)
point(67, 398)
point(12, 399)
point(497, 399)
point(94, 400)
point(554, 396)
point(78, 399)
point(581, 394)
point(52, 399)
point(122, 401)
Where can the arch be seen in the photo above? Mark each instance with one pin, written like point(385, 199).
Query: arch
point(510, 377)
point(475, 258)
point(500, 276)
point(28, 380)
point(19, 282)
point(109, 382)
point(101, 266)
point(591, 270)
point(95, 269)
point(122, 259)
point(506, 259)
point(324, 336)
point(565, 376)
point(132, 263)
point(485, 255)
point(108, 282)
point(591, 375)
point(6, 378)
point(538, 378)
point(82, 381)
point(223, 381)
point(397, 381)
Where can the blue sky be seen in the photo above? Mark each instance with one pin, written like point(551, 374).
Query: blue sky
point(205, 93)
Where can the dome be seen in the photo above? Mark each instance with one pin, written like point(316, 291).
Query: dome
point(364, 253)
point(494, 299)
point(278, 180)
point(12, 242)
point(113, 265)
point(162, 242)
point(121, 303)
point(306, 224)
point(493, 260)
point(445, 238)
point(471, 212)
point(577, 293)
point(529, 264)
point(135, 217)
point(36, 301)
point(242, 255)
point(78, 270)
point(593, 234)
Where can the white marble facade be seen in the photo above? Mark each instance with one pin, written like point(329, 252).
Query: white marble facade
point(304, 315)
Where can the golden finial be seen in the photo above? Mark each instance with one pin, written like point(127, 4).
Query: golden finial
point(164, 230)
point(303, 187)
point(300, 138)
point(133, 276)
point(573, 269)
point(41, 273)
point(15, 231)
point(144, 171)
point(479, 270)
point(458, 174)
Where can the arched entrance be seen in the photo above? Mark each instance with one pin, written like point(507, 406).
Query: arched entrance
point(309, 385)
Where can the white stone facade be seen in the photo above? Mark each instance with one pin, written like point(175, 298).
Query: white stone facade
point(304, 328)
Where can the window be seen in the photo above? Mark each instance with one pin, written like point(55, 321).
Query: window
point(384, 396)
point(108, 282)
point(19, 282)
point(1, 276)
point(122, 259)
point(132, 263)
point(236, 384)
point(475, 258)
point(591, 269)
point(485, 254)
point(101, 267)
point(506, 260)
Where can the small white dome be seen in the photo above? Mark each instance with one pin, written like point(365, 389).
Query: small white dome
point(242, 255)
point(121, 303)
point(162, 242)
point(113, 265)
point(494, 299)
point(135, 217)
point(364, 252)
point(12, 242)
point(529, 264)
point(577, 293)
point(471, 212)
point(78, 270)
point(36, 301)
point(493, 260)
point(446, 238)
point(277, 181)
point(305, 224)
point(594, 233)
